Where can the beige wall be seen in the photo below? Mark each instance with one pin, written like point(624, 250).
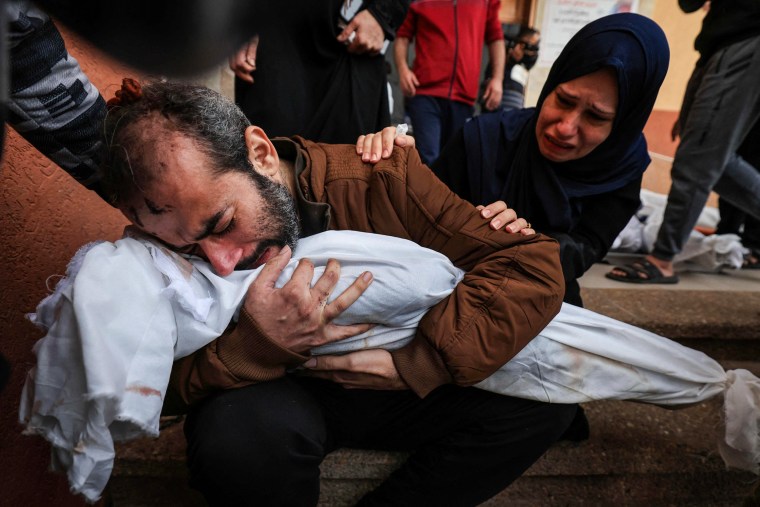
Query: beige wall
point(680, 30)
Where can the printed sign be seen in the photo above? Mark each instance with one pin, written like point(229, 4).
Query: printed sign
point(563, 18)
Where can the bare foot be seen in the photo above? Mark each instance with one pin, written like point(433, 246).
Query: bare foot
point(665, 267)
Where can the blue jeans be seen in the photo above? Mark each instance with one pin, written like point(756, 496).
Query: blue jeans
point(435, 121)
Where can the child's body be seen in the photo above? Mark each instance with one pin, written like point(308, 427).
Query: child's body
point(127, 310)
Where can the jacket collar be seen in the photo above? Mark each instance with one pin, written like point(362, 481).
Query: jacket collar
point(314, 216)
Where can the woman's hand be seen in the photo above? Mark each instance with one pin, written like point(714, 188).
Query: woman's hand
point(373, 147)
point(502, 216)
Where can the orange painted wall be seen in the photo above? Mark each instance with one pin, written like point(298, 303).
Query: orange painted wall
point(44, 217)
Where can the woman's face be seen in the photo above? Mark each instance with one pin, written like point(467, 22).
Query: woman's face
point(577, 116)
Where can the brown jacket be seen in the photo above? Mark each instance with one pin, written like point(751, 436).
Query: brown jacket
point(512, 289)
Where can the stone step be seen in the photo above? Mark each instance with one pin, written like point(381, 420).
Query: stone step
point(732, 316)
point(638, 454)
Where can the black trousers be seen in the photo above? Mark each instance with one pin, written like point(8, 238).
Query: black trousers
point(262, 445)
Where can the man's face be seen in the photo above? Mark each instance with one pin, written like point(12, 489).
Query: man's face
point(225, 219)
point(526, 46)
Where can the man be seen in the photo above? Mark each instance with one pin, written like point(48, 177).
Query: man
point(720, 106)
point(187, 167)
point(523, 54)
point(317, 71)
point(442, 86)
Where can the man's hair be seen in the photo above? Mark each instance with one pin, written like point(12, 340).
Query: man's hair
point(214, 123)
point(525, 32)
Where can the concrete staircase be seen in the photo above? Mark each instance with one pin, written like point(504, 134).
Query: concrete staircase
point(637, 454)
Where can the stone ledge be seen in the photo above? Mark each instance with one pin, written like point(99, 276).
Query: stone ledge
point(637, 454)
point(684, 314)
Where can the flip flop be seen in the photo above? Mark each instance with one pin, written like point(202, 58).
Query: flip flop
point(634, 271)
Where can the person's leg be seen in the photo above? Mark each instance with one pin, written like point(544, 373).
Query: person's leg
point(751, 235)
point(725, 107)
point(426, 115)
point(740, 186)
point(731, 218)
point(751, 240)
point(456, 115)
point(257, 445)
point(467, 444)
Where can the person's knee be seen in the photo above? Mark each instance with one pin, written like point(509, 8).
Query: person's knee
point(552, 418)
point(562, 416)
point(256, 443)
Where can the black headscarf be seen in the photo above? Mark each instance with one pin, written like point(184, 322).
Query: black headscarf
point(503, 158)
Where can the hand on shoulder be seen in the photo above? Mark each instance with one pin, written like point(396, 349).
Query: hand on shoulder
point(379, 145)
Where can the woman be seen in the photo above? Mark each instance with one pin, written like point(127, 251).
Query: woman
point(572, 166)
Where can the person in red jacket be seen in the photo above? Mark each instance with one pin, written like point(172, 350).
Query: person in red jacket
point(442, 85)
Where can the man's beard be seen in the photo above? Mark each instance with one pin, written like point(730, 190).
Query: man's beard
point(281, 218)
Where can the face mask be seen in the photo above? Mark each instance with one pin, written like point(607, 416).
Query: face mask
point(529, 61)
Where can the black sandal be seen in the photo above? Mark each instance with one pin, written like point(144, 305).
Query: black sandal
point(641, 272)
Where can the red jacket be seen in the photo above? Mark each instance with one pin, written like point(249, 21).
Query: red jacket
point(448, 43)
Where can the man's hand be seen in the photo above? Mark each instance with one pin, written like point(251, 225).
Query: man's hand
point(373, 147)
point(408, 82)
point(493, 93)
point(243, 63)
point(365, 369)
point(368, 34)
point(297, 316)
point(502, 216)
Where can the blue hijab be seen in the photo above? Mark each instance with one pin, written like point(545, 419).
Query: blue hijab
point(502, 151)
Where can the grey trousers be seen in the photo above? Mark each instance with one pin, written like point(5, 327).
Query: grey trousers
point(721, 105)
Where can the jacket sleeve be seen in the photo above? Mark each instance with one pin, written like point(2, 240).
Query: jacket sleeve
point(592, 238)
point(389, 13)
point(243, 355)
point(53, 104)
point(512, 288)
point(493, 31)
point(408, 27)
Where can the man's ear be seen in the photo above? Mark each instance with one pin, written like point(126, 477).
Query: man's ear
point(261, 152)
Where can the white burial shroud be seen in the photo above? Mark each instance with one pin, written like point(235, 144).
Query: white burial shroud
point(127, 310)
